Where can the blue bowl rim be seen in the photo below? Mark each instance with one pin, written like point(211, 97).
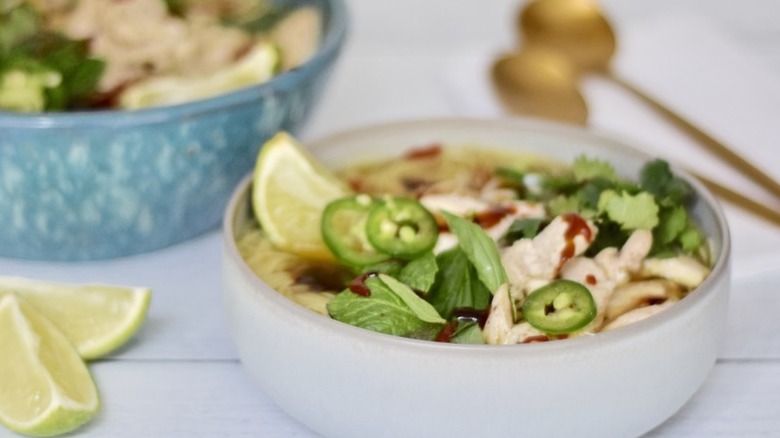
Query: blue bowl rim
point(333, 40)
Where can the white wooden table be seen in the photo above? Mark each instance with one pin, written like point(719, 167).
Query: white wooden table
point(405, 59)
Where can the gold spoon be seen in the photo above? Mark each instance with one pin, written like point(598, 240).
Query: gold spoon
point(579, 30)
point(541, 82)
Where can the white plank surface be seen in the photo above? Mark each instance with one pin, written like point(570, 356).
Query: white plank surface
point(180, 377)
point(215, 398)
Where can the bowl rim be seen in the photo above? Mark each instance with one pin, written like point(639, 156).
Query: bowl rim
point(332, 42)
point(720, 270)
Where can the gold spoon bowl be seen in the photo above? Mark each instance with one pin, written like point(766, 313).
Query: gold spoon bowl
point(539, 82)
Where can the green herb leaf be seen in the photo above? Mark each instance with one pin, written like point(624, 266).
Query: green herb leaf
point(610, 234)
point(42, 57)
point(16, 24)
point(480, 249)
point(632, 212)
point(457, 285)
point(656, 177)
point(384, 311)
point(420, 273)
point(511, 177)
point(391, 267)
point(562, 204)
point(468, 333)
point(672, 222)
point(419, 306)
point(176, 7)
point(585, 168)
point(691, 239)
point(524, 228)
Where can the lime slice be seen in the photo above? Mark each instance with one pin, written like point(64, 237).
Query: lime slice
point(96, 318)
point(45, 387)
point(257, 66)
point(289, 192)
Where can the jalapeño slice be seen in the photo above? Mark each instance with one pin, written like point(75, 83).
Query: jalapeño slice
point(343, 230)
point(560, 307)
point(401, 227)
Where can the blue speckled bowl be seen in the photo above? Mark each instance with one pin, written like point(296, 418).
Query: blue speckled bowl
point(95, 185)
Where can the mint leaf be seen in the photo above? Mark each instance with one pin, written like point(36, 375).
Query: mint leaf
point(585, 168)
point(468, 333)
point(457, 285)
point(383, 311)
point(632, 212)
point(419, 306)
point(420, 273)
point(480, 249)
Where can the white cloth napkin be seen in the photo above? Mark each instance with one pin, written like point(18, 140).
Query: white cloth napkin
point(690, 66)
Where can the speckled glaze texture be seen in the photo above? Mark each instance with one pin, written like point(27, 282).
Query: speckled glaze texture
point(346, 382)
point(84, 186)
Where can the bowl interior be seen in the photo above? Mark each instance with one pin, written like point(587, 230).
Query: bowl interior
point(556, 141)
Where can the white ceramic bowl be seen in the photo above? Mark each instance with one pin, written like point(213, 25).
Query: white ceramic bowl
point(342, 381)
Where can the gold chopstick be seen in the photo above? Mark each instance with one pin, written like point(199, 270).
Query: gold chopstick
point(741, 201)
point(714, 146)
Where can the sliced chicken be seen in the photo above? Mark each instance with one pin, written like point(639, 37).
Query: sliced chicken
point(532, 263)
point(498, 216)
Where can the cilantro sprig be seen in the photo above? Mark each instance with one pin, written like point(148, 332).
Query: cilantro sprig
point(657, 202)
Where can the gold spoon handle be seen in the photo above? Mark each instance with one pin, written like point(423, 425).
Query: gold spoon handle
point(741, 201)
point(704, 139)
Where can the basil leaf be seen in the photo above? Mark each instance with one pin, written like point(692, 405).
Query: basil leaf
point(457, 284)
point(420, 273)
point(480, 249)
point(383, 311)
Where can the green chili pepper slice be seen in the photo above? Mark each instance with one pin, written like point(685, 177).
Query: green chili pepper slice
point(560, 307)
point(401, 227)
point(343, 228)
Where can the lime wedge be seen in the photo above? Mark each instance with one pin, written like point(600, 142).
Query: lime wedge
point(96, 318)
point(289, 192)
point(45, 387)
